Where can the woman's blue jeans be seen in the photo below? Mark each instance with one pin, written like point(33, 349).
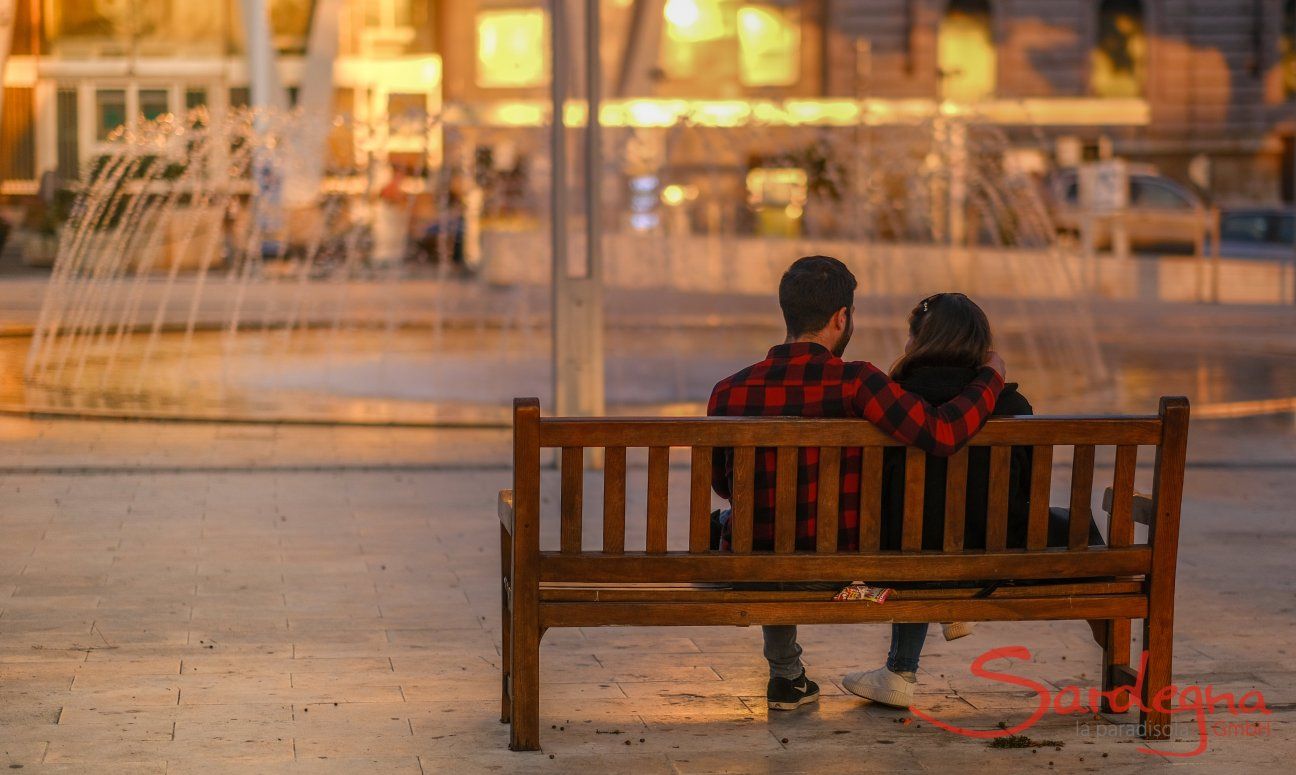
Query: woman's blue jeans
point(906, 645)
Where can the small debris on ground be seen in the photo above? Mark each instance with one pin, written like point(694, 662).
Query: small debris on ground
point(1022, 741)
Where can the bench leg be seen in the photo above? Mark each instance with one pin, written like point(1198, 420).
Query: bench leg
point(506, 627)
point(1116, 654)
point(1158, 631)
point(524, 686)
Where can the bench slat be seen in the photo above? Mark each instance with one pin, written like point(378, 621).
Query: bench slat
point(1082, 469)
point(743, 495)
point(1041, 484)
point(997, 506)
point(694, 594)
point(955, 500)
point(803, 432)
point(980, 609)
point(785, 500)
point(891, 566)
point(658, 493)
point(826, 519)
point(614, 499)
point(870, 507)
point(1120, 529)
point(915, 479)
point(700, 501)
point(573, 496)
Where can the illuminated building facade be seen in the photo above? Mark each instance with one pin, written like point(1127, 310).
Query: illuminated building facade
point(79, 69)
point(1213, 78)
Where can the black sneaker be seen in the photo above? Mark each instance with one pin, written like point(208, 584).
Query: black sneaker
point(790, 694)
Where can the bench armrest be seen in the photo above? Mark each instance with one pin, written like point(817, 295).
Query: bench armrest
point(1141, 510)
point(506, 510)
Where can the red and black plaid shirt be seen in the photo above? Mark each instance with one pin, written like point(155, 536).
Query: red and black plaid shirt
point(803, 379)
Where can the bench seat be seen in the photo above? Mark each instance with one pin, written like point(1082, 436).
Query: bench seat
point(572, 585)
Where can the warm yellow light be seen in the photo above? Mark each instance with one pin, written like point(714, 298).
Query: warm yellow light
point(721, 113)
point(646, 113)
point(965, 54)
point(682, 13)
point(776, 186)
point(822, 112)
point(691, 21)
point(1063, 111)
point(431, 71)
point(673, 195)
point(511, 48)
point(1118, 63)
point(517, 114)
point(769, 43)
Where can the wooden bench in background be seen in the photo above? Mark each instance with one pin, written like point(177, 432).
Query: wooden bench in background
point(613, 585)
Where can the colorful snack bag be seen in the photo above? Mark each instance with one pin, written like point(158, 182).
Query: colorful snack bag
point(858, 590)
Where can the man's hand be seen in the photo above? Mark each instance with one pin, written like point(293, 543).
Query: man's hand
point(994, 361)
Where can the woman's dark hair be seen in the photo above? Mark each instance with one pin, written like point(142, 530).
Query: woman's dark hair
point(948, 329)
point(811, 292)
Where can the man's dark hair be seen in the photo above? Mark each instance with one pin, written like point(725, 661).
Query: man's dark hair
point(812, 290)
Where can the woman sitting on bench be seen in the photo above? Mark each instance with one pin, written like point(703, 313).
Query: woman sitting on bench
point(949, 338)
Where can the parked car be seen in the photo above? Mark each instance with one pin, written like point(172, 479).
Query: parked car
point(1258, 232)
point(1163, 215)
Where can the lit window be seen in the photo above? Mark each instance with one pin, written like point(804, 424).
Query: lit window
point(966, 52)
point(512, 50)
point(1119, 59)
point(153, 103)
point(110, 111)
point(776, 186)
point(769, 43)
point(693, 21)
point(694, 38)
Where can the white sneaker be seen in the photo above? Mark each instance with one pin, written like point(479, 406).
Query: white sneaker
point(882, 686)
point(956, 630)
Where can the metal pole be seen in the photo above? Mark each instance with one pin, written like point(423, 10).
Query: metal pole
point(558, 209)
point(593, 145)
point(577, 292)
point(591, 399)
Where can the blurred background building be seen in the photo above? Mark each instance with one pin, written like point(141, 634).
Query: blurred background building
point(401, 215)
point(1211, 83)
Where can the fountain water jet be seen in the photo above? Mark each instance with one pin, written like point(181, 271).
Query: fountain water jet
point(182, 287)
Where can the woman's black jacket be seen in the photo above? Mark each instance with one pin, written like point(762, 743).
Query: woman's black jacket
point(938, 384)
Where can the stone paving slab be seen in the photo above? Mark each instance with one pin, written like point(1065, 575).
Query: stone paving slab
point(296, 602)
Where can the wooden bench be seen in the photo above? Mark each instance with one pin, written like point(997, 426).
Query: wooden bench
point(572, 586)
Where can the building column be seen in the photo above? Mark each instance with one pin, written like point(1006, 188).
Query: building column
point(263, 77)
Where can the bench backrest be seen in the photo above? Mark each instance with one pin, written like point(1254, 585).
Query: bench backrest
point(1167, 432)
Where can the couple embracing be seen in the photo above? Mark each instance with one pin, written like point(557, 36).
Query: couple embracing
point(936, 397)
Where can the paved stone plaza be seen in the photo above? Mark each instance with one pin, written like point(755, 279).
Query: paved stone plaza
point(256, 598)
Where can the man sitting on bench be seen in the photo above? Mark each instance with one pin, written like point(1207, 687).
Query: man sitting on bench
point(806, 377)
